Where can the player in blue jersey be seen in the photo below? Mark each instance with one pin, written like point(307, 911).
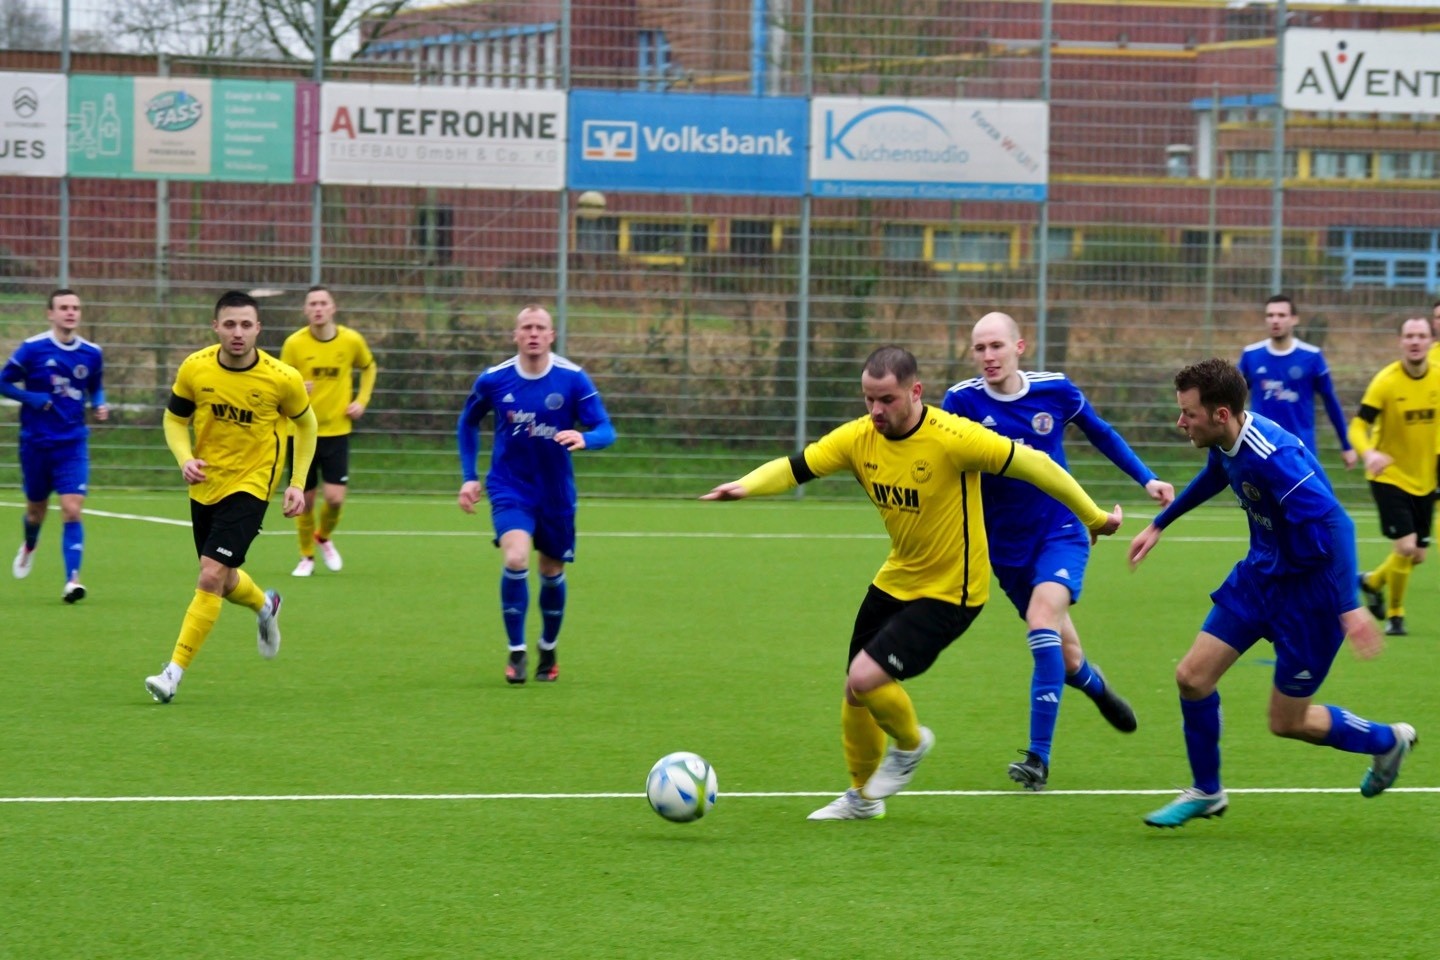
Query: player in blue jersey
point(54, 376)
point(1295, 587)
point(1038, 549)
point(1284, 374)
point(538, 399)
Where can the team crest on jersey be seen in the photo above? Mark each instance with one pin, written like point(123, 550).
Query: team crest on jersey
point(921, 471)
point(554, 401)
point(1296, 373)
point(256, 399)
point(1042, 423)
point(81, 371)
point(1250, 490)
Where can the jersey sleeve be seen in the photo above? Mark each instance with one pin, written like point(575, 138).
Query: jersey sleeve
point(363, 356)
point(835, 451)
point(183, 386)
point(1109, 442)
point(1204, 485)
point(467, 429)
point(1326, 388)
point(954, 404)
point(590, 411)
point(293, 398)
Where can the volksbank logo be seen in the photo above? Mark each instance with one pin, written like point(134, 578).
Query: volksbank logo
point(1342, 72)
point(621, 140)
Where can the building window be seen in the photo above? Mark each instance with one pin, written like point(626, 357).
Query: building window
point(1409, 165)
point(1061, 244)
point(664, 241)
point(1256, 165)
point(597, 235)
point(758, 238)
point(435, 233)
point(653, 60)
point(974, 249)
point(1339, 165)
point(904, 241)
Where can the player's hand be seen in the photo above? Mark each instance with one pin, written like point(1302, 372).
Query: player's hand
point(1160, 491)
point(471, 493)
point(1376, 462)
point(355, 411)
point(1363, 633)
point(102, 412)
point(726, 491)
point(1349, 458)
point(193, 471)
point(1143, 543)
point(1112, 523)
point(571, 439)
point(294, 500)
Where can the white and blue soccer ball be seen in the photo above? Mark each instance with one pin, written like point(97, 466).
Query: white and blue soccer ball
point(681, 787)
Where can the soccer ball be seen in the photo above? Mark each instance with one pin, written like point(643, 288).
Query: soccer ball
point(681, 787)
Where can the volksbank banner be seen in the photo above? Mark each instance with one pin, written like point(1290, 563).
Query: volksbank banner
point(929, 149)
point(32, 124)
point(442, 137)
point(1364, 71)
point(690, 143)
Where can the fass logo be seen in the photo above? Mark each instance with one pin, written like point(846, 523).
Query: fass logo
point(173, 111)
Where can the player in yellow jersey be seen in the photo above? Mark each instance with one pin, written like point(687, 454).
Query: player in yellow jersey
point(239, 400)
point(921, 467)
point(327, 355)
point(1396, 436)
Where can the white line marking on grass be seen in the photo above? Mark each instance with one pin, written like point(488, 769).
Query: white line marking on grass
point(334, 797)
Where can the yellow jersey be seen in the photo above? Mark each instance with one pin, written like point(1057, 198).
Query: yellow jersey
point(926, 486)
point(240, 419)
point(1398, 418)
point(329, 366)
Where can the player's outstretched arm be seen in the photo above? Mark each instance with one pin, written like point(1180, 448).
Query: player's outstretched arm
point(734, 490)
point(1143, 543)
point(1111, 524)
point(1160, 491)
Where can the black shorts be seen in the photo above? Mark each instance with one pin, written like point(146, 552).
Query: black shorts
point(906, 636)
point(224, 530)
point(332, 461)
point(1402, 514)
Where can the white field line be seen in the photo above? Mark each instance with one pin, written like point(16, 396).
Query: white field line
point(351, 797)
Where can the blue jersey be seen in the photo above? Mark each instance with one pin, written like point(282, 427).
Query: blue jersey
point(1035, 415)
point(1283, 387)
point(53, 382)
point(527, 467)
point(1297, 526)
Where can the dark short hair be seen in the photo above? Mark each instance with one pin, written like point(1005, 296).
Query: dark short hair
point(58, 292)
point(317, 288)
point(1220, 382)
point(1282, 298)
point(236, 298)
point(890, 359)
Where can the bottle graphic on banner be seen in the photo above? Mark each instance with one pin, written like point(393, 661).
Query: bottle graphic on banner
point(85, 141)
point(109, 132)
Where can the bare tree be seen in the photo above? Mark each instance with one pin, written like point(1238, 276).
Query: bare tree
point(198, 28)
point(290, 24)
point(26, 26)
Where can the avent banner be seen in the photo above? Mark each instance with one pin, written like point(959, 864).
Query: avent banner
point(32, 124)
point(691, 143)
point(1362, 71)
point(191, 128)
point(929, 149)
point(442, 137)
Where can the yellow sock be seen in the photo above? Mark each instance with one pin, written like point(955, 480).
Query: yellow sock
point(246, 593)
point(305, 528)
point(864, 742)
point(1398, 581)
point(1376, 579)
point(891, 707)
point(200, 619)
point(329, 520)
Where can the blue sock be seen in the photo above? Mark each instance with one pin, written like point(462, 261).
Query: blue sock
point(515, 604)
point(1046, 684)
point(72, 541)
point(32, 534)
point(1087, 680)
point(1202, 740)
point(1356, 734)
point(552, 609)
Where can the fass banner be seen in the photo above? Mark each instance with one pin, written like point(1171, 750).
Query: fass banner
point(695, 143)
point(32, 124)
point(1362, 71)
point(441, 137)
point(929, 149)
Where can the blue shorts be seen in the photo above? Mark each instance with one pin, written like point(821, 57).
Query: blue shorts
point(553, 534)
point(48, 468)
point(1058, 558)
point(1297, 614)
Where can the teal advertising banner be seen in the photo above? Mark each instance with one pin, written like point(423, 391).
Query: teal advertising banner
point(191, 128)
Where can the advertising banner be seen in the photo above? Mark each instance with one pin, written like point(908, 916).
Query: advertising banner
point(1362, 71)
point(690, 143)
point(32, 124)
point(442, 137)
point(191, 128)
point(929, 149)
